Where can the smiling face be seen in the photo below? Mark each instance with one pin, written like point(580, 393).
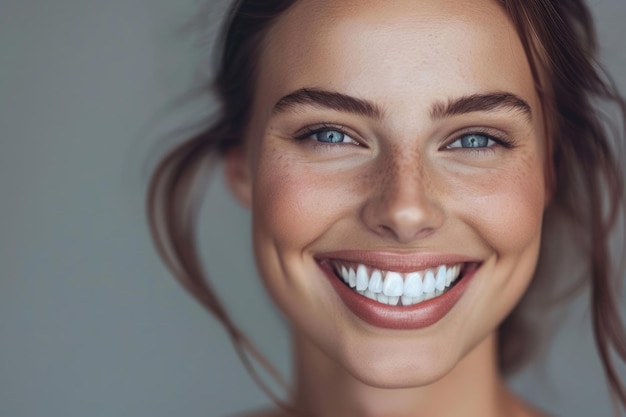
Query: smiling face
point(402, 140)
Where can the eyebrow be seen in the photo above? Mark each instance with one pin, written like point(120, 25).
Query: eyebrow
point(499, 101)
point(330, 100)
point(481, 103)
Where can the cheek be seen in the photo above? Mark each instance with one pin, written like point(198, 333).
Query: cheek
point(502, 212)
point(293, 207)
point(285, 203)
point(281, 201)
point(506, 206)
point(295, 202)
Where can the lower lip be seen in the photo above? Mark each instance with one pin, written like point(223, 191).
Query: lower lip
point(412, 317)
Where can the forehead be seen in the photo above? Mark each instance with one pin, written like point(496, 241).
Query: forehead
point(396, 50)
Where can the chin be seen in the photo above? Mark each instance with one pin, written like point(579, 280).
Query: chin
point(397, 376)
point(394, 363)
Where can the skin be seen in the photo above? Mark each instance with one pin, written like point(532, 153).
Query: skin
point(395, 186)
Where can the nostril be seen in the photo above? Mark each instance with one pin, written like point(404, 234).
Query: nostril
point(405, 234)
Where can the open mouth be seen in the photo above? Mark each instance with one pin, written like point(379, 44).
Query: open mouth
point(394, 288)
point(399, 291)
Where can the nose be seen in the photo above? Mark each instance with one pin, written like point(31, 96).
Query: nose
point(402, 204)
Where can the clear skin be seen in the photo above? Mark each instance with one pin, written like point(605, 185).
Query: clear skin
point(397, 183)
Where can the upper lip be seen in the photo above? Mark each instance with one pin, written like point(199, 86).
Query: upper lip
point(394, 261)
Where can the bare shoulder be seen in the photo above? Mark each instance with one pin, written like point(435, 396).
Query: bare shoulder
point(536, 413)
point(523, 410)
point(526, 410)
point(518, 407)
point(267, 412)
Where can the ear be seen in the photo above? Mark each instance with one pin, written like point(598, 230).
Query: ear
point(237, 175)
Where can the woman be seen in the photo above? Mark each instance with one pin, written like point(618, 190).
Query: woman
point(403, 163)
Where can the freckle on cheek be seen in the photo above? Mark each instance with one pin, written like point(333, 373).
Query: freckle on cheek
point(517, 210)
point(281, 199)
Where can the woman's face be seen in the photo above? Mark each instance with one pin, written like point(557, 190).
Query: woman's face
point(402, 140)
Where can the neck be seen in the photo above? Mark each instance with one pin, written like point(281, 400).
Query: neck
point(472, 388)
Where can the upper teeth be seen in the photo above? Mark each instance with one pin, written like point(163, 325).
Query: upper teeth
point(389, 287)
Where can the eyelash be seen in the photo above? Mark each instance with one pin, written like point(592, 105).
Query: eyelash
point(309, 131)
point(498, 139)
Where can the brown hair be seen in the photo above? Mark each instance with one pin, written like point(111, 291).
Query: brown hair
point(559, 40)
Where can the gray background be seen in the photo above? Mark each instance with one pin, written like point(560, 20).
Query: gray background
point(91, 324)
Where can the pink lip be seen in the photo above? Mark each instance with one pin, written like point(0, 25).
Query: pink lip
point(416, 316)
point(393, 261)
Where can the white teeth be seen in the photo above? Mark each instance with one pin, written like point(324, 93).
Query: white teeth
point(376, 282)
point(456, 270)
point(413, 284)
point(382, 298)
point(407, 301)
point(440, 280)
point(429, 282)
point(392, 287)
point(344, 274)
point(397, 288)
point(450, 275)
point(352, 278)
point(370, 295)
point(361, 278)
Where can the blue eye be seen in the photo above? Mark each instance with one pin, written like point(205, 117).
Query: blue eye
point(472, 141)
point(326, 135)
point(329, 136)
